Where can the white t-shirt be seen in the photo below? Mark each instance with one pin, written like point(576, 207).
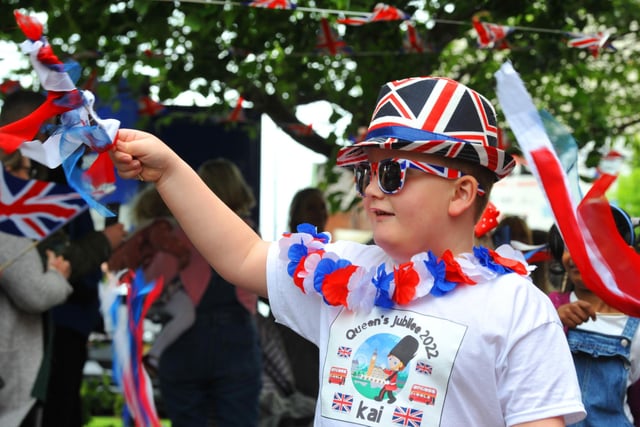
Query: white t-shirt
point(491, 354)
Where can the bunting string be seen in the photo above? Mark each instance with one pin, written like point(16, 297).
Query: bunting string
point(490, 35)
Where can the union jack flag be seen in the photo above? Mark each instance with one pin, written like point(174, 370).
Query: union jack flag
point(381, 12)
point(344, 351)
point(407, 417)
point(328, 40)
point(492, 35)
point(424, 368)
point(412, 42)
point(272, 4)
point(342, 402)
point(593, 43)
point(35, 209)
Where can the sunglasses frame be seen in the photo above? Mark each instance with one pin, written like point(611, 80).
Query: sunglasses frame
point(403, 164)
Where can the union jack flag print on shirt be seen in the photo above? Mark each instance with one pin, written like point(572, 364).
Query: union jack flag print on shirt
point(344, 351)
point(423, 368)
point(342, 402)
point(35, 209)
point(407, 417)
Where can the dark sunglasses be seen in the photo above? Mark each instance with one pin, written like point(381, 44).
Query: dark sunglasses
point(392, 174)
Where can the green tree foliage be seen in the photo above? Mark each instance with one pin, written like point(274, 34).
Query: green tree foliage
point(627, 193)
point(268, 55)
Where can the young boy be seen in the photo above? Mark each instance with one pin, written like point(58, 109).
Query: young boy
point(491, 350)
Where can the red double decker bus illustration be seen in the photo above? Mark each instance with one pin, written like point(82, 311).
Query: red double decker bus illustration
point(423, 394)
point(337, 375)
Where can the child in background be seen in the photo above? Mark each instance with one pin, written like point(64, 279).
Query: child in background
point(604, 342)
point(308, 206)
point(425, 171)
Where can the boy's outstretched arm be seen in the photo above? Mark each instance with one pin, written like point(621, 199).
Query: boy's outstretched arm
point(234, 250)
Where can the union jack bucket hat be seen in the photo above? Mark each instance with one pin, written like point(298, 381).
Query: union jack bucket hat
point(433, 115)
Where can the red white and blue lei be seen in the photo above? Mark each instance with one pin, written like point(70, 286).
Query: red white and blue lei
point(341, 283)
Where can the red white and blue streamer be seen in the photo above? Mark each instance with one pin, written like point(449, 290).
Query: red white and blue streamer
point(126, 319)
point(80, 131)
point(609, 267)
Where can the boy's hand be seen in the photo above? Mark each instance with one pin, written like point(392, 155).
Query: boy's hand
point(140, 155)
point(576, 313)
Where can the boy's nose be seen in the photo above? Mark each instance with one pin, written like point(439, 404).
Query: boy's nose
point(373, 189)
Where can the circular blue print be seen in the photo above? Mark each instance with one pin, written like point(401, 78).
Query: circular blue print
point(374, 366)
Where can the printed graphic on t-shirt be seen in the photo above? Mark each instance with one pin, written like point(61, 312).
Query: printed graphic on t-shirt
point(389, 368)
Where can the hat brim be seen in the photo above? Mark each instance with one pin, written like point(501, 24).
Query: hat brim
point(495, 159)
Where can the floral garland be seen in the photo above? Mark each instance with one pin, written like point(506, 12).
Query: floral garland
point(340, 282)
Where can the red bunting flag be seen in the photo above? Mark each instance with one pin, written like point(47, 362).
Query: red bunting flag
point(488, 221)
point(593, 43)
point(30, 26)
point(412, 42)
point(490, 35)
point(300, 129)
point(149, 107)
point(272, 4)
point(237, 115)
point(610, 163)
point(328, 40)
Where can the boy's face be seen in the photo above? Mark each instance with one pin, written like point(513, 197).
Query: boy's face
point(416, 218)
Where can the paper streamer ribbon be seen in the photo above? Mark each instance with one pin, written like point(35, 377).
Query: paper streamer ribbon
point(81, 128)
point(588, 230)
point(128, 326)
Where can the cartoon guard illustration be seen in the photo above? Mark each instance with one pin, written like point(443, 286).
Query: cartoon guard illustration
point(397, 360)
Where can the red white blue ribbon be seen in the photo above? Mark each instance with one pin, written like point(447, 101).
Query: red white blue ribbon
point(609, 267)
point(126, 320)
point(81, 128)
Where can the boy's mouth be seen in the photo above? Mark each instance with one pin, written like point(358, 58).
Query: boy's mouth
point(378, 212)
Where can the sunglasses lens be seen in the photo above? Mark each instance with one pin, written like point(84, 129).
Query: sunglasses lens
point(390, 176)
point(363, 177)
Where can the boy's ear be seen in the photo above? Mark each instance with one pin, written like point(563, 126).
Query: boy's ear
point(464, 195)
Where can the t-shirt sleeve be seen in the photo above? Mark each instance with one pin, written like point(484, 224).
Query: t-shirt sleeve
point(290, 306)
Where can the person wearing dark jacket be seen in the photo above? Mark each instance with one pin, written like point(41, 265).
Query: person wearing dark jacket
point(73, 321)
